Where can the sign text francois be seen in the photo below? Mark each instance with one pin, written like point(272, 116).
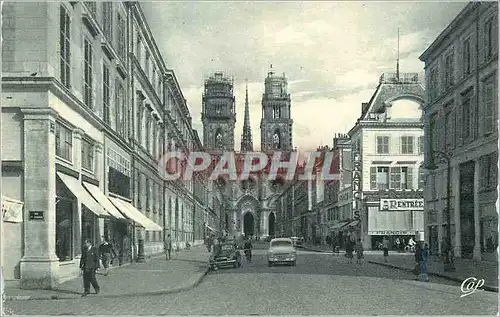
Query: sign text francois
point(356, 186)
point(401, 204)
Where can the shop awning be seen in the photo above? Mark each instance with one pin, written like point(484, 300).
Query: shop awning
point(75, 186)
point(135, 215)
point(12, 210)
point(211, 229)
point(354, 223)
point(338, 225)
point(103, 200)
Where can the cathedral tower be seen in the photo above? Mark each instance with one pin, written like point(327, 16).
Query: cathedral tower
point(218, 113)
point(246, 137)
point(276, 123)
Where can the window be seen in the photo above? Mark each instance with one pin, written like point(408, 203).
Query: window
point(64, 231)
point(139, 192)
point(466, 57)
point(146, 65)
point(488, 39)
point(218, 109)
point(155, 141)
point(87, 155)
point(489, 107)
point(153, 197)
point(107, 19)
point(276, 112)
point(379, 177)
point(488, 171)
point(466, 116)
point(87, 69)
point(105, 94)
point(401, 178)
point(148, 126)
point(121, 38)
point(382, 145)
point(449, 130)
point(421, 145)
point(64, 142)
point(449, 70)
point(407, 144)
point(138, 47)
point(153, 79)
point(64, 47)
point(434, 84)
point(121, 122)
point(148, 195)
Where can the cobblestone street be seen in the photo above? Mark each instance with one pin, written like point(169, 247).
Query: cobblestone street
point(319, 284)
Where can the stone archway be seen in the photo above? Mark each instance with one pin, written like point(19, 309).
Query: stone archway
point(247, 205)
point(248, 224)
point(271, 224)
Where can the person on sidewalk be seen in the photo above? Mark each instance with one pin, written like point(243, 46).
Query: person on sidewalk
point(359, 252)
point(106, 252)
point(168, 247)
point(89, 263)
point(349, 249)
point(385, 247)
point(421, 259)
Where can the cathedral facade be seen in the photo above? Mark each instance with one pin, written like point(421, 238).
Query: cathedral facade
point(249, 205)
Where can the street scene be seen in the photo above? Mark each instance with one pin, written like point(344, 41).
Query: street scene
point(267, 158)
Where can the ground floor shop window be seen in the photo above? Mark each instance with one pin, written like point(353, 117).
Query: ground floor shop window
point(88, 226)
point(64, 229)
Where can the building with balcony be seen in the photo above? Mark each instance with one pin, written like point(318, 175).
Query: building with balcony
point(387, 152)
point(461, 67)
point(87, 110)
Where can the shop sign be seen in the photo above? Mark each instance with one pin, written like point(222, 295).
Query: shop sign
point(392, 233)
point(401, 204)
point(356, 186)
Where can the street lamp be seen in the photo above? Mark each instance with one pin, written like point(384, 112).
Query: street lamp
point(448, 263)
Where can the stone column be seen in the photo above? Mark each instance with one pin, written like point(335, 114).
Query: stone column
point(77, 163)
point(477, 215)
point(39, 265)
point(456, 211)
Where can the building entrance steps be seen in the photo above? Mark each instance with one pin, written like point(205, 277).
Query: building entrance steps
point(464, 268)
point(157, 276)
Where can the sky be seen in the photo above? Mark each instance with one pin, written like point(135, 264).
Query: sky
point(332, 53)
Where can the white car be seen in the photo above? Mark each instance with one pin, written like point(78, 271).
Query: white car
point(281, 250)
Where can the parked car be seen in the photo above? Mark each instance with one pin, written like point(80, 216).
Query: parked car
point(227, 255)
point(281, 251)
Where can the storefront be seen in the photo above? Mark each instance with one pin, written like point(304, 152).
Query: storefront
point(395, 218)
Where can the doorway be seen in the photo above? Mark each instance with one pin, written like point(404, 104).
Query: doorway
point(272, 221)
point(248, 224)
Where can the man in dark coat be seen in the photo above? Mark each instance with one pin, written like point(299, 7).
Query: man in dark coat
point(89, 263)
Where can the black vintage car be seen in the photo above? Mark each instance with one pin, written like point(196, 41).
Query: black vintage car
point(226, 255)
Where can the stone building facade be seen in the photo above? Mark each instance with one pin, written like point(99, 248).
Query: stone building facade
point(461, 68)
point(88, 107)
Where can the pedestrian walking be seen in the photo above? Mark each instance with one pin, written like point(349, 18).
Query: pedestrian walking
point(398, 244)
point(168, 247)
point(89, 263)
point(106, 253)
point(349, 250)
point(421, 258)
point(385, 247)
point(359, 252)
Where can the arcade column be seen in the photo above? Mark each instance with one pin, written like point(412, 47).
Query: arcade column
point(39, 265)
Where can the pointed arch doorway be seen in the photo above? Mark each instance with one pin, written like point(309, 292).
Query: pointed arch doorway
point(248, 224)
point(271, 224)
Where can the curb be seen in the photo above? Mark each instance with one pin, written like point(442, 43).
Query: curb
point(160, 292)
point(485, 287)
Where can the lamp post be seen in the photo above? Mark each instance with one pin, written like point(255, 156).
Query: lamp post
point(448, 264)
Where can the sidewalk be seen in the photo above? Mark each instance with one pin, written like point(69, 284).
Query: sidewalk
point(328, 249)
point(156, 276)
point(464, 269)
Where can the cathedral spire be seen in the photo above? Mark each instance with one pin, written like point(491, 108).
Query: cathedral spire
point(246, 137)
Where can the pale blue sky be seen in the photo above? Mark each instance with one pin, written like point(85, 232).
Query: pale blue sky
point(332, 53)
